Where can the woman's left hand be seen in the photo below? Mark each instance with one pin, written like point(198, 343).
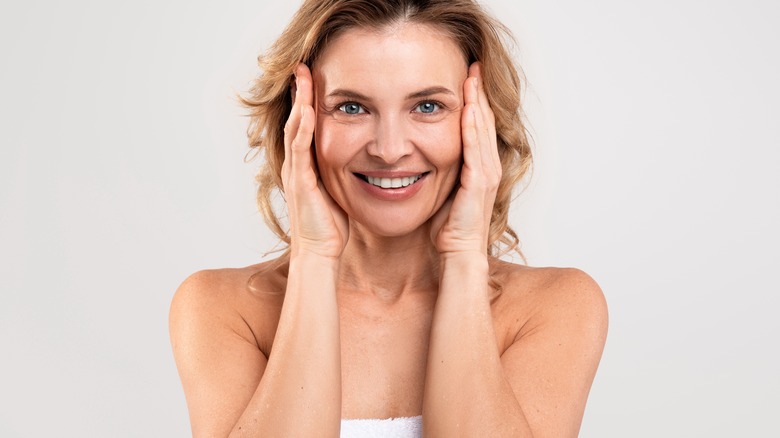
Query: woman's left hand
point(463, 222)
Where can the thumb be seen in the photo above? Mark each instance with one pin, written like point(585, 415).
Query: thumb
point(440, 217)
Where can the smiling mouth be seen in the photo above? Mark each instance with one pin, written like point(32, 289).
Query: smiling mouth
point(391, 183)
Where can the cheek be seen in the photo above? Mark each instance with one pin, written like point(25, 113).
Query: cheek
point(335, 144)
point(449, 156)
point(445, 146)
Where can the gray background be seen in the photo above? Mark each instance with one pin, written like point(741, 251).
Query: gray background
point(121, 172)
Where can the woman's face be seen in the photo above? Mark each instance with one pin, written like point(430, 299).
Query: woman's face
point(388, 135)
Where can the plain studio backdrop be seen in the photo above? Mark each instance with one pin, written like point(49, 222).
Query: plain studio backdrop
point(121, 172)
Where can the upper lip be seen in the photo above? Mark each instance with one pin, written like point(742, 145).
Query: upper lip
point(389, 173)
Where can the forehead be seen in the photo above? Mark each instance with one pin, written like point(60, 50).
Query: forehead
point(402, 56)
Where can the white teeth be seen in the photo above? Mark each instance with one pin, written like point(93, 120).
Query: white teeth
point(393, 183)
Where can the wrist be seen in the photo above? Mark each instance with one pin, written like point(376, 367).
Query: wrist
point(311, 264)
point(312, 256)
point(468, 261)
point(464, 275)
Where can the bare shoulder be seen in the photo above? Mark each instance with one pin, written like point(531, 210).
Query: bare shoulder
point(244, 300)
point(553, 327)
point(206, 291)
point(542, 297)
point(222, 324)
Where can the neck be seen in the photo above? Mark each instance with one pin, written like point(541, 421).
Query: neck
point(389, 267)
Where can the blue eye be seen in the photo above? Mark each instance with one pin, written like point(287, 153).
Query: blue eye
point(427, 107)
point(352, 108)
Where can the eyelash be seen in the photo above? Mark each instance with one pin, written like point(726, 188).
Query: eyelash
point(362, 109)
point(341, 106)
point(430, 102)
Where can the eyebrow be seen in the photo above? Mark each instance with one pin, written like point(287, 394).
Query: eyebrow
point(349, 94)
point(427, 92)
point(430, 91)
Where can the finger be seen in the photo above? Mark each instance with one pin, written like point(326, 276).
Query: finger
point(302, 93)
point(474, 95)
point(472, 159)
point(486, 175)
point(292, 125)
point(302, 98)
point(469, 96)
point(488, 126)
point(304, 84)
point(469, 130)
point(482, 132)
point(475, 70)
point(300, 148)
point(487, 132)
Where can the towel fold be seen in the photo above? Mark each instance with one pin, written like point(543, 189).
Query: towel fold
point(402, 427)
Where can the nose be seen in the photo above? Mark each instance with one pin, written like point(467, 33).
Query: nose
point(390, 142)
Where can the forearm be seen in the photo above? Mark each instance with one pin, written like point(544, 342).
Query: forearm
point(300, 391)
point(466, 393)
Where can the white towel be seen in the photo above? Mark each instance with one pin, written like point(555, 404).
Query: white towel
point(402, 427)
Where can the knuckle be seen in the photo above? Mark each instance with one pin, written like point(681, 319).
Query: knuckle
point(299, 145)
point(492, 178)
point(305, 132)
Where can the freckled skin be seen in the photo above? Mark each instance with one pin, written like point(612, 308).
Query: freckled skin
point(391, 132)
point(381, 307)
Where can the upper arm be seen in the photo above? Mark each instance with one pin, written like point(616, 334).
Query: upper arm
point(553, 359)
point(219, 362)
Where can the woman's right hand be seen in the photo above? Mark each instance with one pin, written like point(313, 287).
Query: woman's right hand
point(318, 225)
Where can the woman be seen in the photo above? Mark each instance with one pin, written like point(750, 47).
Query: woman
point(376, 120)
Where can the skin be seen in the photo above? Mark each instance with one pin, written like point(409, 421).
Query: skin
point(390, 132)
point(382, 307)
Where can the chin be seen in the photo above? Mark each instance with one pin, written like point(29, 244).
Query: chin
point(389, 226)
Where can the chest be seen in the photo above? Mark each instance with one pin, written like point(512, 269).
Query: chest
point(383, 361)
point(384, 354)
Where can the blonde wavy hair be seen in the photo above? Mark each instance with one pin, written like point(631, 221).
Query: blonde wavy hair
point(479, 36)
